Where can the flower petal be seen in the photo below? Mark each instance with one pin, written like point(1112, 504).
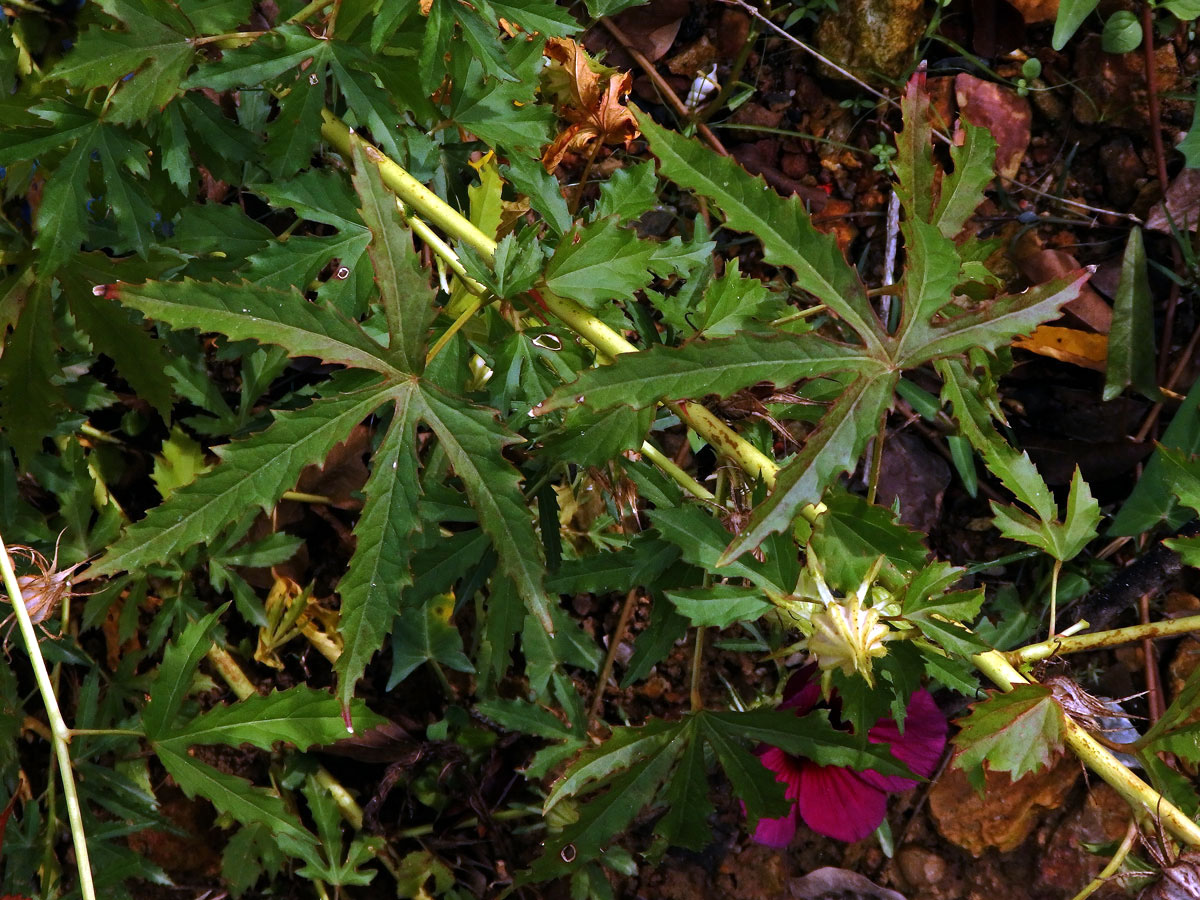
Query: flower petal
point(776, 833)
point(919, 747)
point(802, 693)
point(835, 802)
point(787, 768)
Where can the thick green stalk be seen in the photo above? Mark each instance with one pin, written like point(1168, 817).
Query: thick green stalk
point(1116, 637)
point(1099, 759)
point(60, 733)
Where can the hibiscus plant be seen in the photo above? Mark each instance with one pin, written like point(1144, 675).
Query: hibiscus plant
point(260, 260)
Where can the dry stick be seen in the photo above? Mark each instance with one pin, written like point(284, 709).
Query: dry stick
point(1160, 158)
point(614, 641)
point(668, 94)
point(1154, 699)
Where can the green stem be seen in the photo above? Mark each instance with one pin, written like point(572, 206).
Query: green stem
point(1054, 597)
point(1058, 646)
point(59, 731)
point(1136, 792)
point(408, 189)
point(680, 477)
point(126, 732)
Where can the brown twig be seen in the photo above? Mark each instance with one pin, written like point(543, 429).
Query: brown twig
point(668, 94)
point(614, 641)
point(1154, 698)
point(1160, 159)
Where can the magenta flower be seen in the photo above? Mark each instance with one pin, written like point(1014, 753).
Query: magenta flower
point(837, 801)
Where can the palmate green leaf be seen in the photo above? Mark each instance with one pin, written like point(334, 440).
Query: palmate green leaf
point(174, 676)
point(951, 636)
point(253, 473)
point(29, 398)
point(131, 208)
point(852, 534)
point(285, 265)
point(268, 57)
point(542, 16)
point(504, 113)
point(783, 226)
point(599, 262)
point(235, 797)
point(403, 285)
point(333, 865)
point(962, 191)
point(1183, 474)
point(1131, 338)
point(301, 715)
point(832, 448)
point(424, 634)
point(962, 391)
point(914, 154)
point(378, 571)
point(811, 736)
point(926, 593)
point(753, 783)
point(626, 747)
point(992, 326)
point(732, 303)
point(262, 314)
point(589, 438)
point(295, 131)
point(473, 440)
point(139, 358)
point(1017, 732)
point(60, 218)
point(685, 823)
point(720, 605)
point(155, 49)
point(613, 810)
point(1064, 540)
point(1152, 502)
point(930, 273)
point(710, 367)
point(702, 539)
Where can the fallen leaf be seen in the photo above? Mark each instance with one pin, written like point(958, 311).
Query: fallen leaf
point(1001, 111)
point(589, 96)
point(1070, 345)
point(1181, 206)
point(832, 882)
point(1038, 264)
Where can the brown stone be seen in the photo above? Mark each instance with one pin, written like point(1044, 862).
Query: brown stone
point(872, 36)
point(1007, 812)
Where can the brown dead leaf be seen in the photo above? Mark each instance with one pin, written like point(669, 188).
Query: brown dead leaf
point(1003, 112)
point(1070, 345)
point(1181, 207)
point(589, 96)
point(1040, 265)
point(1008, 810)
